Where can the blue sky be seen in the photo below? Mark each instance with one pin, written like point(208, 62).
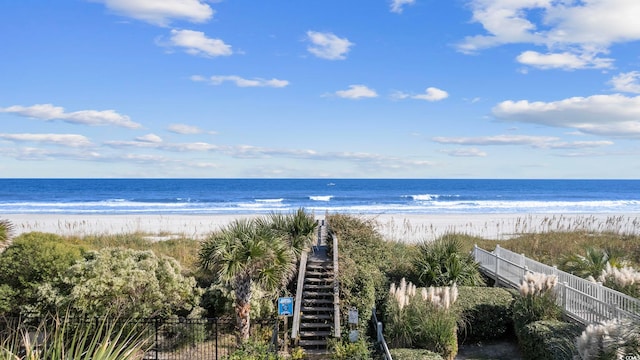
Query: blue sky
point(338, 89)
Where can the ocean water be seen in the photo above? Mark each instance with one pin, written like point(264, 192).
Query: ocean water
point(359, 196)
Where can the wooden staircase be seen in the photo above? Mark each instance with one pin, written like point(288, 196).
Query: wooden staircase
point(317, 300)
point(316, 320)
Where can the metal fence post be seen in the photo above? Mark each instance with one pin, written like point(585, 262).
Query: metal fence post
point(215, 326)
point(156, 329)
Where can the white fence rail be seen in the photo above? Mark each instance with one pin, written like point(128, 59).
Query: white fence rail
point(580, 299)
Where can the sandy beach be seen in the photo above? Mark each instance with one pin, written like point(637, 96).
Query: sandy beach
point(396, 227)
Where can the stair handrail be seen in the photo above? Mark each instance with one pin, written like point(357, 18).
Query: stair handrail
point(297, 305)
point(336, 289)
point(377, 327)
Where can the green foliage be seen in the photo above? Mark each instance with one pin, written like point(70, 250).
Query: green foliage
point(58, 339)
point(363, 259)
point(549, 340)
point(414, 354)
point(486, 312)
point(591, 264)
point(343, 349)
point(297, 228)
point(297, 353)
point(443, 263)
point(252, 350)
point(530, 308)
point(30, 261)
point(6, 232)
point(247, 254)
point(421, 324)
point(124, 282)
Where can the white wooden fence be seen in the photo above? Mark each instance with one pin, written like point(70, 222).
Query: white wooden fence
point(582, 300)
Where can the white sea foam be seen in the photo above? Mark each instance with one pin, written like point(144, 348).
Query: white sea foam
point(321, 198)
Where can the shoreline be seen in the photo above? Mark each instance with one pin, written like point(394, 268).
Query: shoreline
point(394, 227)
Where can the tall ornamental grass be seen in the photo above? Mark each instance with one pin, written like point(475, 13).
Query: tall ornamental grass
point(63, 339)
point(612, 339)
point(422, 318)
point(537, 301)
point(624, 279)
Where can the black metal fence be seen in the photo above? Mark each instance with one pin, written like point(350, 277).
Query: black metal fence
point(177, 339)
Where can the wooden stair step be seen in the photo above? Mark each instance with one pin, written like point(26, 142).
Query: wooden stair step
point(315, 333)
point(318, 301)
point(317, 294)
point(304, 343)
point(312, 286)
point(325, 316)
point(315, 325)
point(318, 308)
point(319, 273)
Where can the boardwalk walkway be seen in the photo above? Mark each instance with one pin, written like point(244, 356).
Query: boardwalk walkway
point(581, 300)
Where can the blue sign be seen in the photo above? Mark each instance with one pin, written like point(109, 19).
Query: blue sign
point(285, 306)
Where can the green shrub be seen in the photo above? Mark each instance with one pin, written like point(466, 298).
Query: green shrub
point(363, 258)
point(537, 301)
point(485, 312)
point(549, 340)
point(343, 349)
point(422, 318)
point(443, 263)
point(252, 350)
point(414, 354)
point(30, 261)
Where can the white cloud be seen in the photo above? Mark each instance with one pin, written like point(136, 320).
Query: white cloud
point(185, 129)
point(84, 117)
point(536, 141)
point(397, 6)
point(161, 12)
point(432, 94)
point(70, 140)
point(627, 82)
point(242, 82)
point(584, 29)
point(470, 152)
point(611, 115)
point(150, 138)
point(357, 92)
point(197, 43)
point(564, 60)
point(328, 46)
point(541, 142)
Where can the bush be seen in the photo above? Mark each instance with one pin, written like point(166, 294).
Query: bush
point(343, 349)
point(252, 350)
point(31, 260)
point(128, 283)
point(486, 313)
point(414, 354)
point(444, 263)
point(537, 301)
point(549, 340)
point(424, 321)
point(363, 258)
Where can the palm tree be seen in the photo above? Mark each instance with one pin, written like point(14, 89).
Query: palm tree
point(6, 233)
point(591, 264)
point(298, 228)
point(245, 253)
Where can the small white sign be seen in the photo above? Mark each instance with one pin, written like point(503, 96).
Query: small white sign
point(353, 316)
point(353, 335)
